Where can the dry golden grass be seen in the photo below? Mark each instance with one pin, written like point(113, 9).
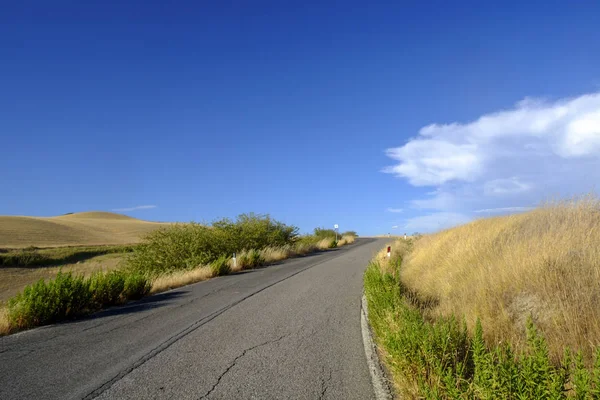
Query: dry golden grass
point(304, 248)
point(544, 263)
point(323, 244)
point(87, 228)
point(235, 268)
point(14, 280)
point(346, 239)
point(399, 249)
point(179, 279)
point(275, 254)
point(4, 324)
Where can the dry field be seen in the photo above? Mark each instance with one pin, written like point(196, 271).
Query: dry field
point(86, 228)
point(79, 229)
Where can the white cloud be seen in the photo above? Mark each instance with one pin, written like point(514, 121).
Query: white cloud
point(133, 208)
point(503, 210)
point(505, 186)
point(524, 155)
point(436, 221)
point(395, 227)
point(431, 162)
point(464, 152)
point(438, 200)
point(394, 210)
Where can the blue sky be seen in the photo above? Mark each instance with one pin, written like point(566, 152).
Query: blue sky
point(417, 115)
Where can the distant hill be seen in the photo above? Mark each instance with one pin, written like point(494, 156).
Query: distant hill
point(74, 229)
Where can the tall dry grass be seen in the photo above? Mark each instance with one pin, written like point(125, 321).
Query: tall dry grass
point(324, 244)
point(180, 278)
point(544, 263)
point(346, 239)
point(275, 254)
point(4, 323)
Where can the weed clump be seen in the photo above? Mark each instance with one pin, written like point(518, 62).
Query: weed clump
point(67, 296)
point(220, 266)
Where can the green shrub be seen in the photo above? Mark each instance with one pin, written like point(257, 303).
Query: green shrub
point(322, 233)
point(46, 302)
point(136, 286)
point(106, 288)
point(220, 266)
point(177, 247)
point(67, 296)
point(333, 244)
point(253, 231)
point(186, 246)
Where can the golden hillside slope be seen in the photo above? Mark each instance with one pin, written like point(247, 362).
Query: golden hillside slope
point(543, 264)
point(86, 228)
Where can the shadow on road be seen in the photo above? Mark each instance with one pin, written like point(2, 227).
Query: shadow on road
point(147, 303)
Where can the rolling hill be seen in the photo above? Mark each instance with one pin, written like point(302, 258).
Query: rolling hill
point(78, 229)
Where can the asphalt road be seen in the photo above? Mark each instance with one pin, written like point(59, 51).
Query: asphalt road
point(287, 331)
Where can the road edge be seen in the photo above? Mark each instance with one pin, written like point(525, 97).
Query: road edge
point(379, 380)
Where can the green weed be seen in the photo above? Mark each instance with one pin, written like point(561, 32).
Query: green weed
point(68, 296)
point(220, 266)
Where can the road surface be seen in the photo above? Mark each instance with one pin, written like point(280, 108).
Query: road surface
point(285, 331)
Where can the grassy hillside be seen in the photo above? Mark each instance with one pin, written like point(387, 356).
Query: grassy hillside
point(79, 229)
point(499, 308)
point(544, 263)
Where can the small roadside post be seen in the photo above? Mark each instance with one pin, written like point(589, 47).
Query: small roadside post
point(389, 251)
point(234, 261)
point(335, 226)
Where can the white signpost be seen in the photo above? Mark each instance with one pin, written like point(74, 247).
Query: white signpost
point(336, 231)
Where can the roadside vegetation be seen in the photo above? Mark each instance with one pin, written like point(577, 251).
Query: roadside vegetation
point(68, 296)
point(502, 307)
point(171, 256)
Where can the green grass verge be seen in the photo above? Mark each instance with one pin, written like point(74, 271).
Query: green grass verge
point(68, 296)
point(36, 257)
point(440, 360)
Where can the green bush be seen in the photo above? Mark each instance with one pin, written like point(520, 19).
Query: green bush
point(136, 286)
point(186, 246)
point(106, 289)
point(67, 296)
point(445, 362)
point(333, 244)
point(254, 231)
point(220, 266)
point(322, 233)
point(46, 302)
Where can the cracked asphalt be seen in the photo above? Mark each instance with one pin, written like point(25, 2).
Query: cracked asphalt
point(287, 331)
